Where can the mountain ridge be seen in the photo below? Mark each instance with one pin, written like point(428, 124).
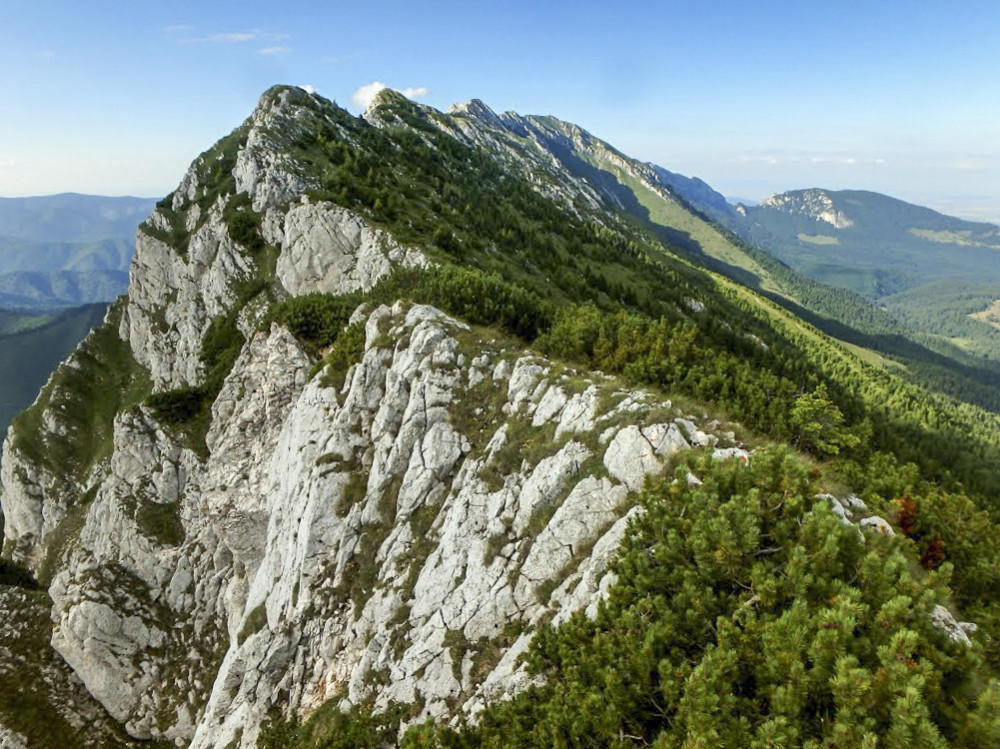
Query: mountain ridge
point(317, 407)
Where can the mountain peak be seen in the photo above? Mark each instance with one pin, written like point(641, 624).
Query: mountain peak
point(385, 97)
point(815, 203)
point(474, 108)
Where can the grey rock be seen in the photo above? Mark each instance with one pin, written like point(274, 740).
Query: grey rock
point(880, 525)
point(637, 451)
point(956, 631)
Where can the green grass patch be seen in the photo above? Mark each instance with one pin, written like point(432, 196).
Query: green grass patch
point(160, 521)
point(346, 351)
point(819, 239)
point(256, 621)
point(86, 398)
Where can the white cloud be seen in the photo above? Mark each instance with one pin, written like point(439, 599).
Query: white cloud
point(784, 158)
point(229, 37)
point(968, 165)
point(364, 95)
point(415, 93)
point(274, 51)
point(308, 88)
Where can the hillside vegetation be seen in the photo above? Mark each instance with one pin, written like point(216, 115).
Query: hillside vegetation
point(929, 271)
point(702, 672)
point(32, 346)
point(750, 607)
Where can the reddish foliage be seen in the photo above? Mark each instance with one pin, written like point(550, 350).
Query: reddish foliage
point(906, 515)
point(906, 518)
point(934, 555)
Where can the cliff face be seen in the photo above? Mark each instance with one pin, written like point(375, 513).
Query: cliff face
point(389, 530)
point(238, 521)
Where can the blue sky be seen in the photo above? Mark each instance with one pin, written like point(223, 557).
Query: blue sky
point(754, 97)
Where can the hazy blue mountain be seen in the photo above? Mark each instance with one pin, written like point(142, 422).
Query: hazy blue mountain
point(66, 250)
point(40, 290)
point(32, 255)
point(938, 274)
point(698, 193)
point(872, 243)
point(70, 217)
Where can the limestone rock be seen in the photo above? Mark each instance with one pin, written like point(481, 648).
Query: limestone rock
point(880, 525)
point(328, 248)
point(335, 539)
point(637, 451)
point(12, 739)
point(956, 631)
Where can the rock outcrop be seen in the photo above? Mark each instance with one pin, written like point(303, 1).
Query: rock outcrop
point(389, 529)
point(389, 532)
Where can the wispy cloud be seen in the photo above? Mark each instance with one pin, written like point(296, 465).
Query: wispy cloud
point(970, 164)
point(774, 158)
point(308, 88)
point(274, 51)
point(365, 94)
point(184, 35)
point(228, 37)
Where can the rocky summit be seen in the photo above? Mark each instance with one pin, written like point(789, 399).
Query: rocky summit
point(385, 538)
point(239, 523)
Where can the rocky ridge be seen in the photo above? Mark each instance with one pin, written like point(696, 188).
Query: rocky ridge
point(561, 159)
point(816, 204)
point(389, 531)
point(394, 536)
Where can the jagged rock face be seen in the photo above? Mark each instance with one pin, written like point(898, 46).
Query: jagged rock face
point(37, 495)
point(142, 608)
point(327, 248)
point(396, 536)
point(29, 666)
point(550, 153)
point(172, 298)
point(370, 541)
point(456, 557)
point(264, 170)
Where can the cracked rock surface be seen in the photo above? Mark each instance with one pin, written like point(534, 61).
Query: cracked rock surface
point(335, 539)
point(396, 535)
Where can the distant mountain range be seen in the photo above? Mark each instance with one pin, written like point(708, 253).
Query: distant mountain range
point(70, 217)
point(871, 243)
point(62, 258)
point(937, 275)
point(66, 250)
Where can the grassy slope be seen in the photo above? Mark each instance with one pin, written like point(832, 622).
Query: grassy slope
point(937, 362)
point(28, 357)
